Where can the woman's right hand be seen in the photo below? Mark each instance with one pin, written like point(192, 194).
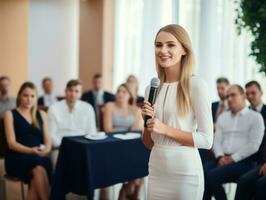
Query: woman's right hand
point(38, 151)
point(147, 110)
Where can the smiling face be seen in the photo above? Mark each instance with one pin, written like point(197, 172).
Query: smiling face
point(168, 50)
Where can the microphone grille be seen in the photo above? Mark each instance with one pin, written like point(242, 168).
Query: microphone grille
point(155, 82)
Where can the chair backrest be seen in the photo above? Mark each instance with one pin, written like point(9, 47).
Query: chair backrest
point(3, 144)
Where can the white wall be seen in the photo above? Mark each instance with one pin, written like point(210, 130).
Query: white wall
point(53, 41)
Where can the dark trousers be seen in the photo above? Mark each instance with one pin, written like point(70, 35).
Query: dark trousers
point(206, 155)
point(251, 185)
point(216, 176)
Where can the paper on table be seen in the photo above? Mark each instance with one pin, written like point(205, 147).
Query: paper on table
point(127, 136)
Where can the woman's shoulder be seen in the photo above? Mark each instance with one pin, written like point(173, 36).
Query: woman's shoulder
point(135, 110)
point(199, 88)
point(197, 83)
point(42, 114)
point(9, 114)
point(109, 105)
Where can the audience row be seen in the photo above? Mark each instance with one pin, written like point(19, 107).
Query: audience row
point(238, 154)
point(28, 130)
point(239, 149)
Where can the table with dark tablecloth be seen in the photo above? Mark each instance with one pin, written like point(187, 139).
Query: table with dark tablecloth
point(84, 165)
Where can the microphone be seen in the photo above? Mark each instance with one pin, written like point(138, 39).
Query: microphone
point(155, 82)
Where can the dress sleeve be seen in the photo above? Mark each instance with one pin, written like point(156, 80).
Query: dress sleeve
point(201, 105)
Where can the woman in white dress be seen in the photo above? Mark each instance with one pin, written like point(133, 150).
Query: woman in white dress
point(181, 121)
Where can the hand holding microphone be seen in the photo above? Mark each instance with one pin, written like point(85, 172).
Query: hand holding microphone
point(148, 108)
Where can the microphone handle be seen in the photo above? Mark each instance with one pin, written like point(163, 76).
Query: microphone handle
point(146, 119)
point(152, 97)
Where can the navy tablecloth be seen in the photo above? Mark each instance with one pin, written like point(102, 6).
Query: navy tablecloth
point(84, 165)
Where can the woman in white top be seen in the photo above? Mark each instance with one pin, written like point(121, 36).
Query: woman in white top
point(181, 123)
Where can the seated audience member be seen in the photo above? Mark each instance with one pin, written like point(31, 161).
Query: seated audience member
point(29, 143)
point(48, 98)
point(218, 108)
point(123, 115)
point(97, 96)
point(6, 102)
point(252, 184)
point(238, 135)
point(70, 116)
point(133, 85)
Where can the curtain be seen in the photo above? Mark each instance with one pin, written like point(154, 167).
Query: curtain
point(219, 50)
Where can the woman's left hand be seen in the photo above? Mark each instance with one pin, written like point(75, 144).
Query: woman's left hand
point(156, 126)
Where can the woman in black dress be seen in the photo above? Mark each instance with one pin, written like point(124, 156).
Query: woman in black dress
point(29, 144)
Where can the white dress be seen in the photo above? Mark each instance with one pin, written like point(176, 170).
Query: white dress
point(175, 171)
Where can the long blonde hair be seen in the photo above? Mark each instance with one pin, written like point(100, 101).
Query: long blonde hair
point(34, 108)
point(183, 97)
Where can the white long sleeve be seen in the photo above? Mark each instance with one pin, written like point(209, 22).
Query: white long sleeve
point(63, 123)
point(218, 138)
point(201, 104)
point(53, 128)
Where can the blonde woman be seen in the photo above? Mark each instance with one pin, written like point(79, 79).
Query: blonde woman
point(29, 144)
point(181, 121)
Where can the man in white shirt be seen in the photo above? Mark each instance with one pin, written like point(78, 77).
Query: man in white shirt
point(238, 135)
point(71, 116)
point(253, 183)
point(48, 98)
point(218, 107)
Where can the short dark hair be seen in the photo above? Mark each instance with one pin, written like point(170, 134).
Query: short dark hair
point(46, 79)
point(96, 76)
point(4, 78)
point(222, 80)
point(73, 82)
point(239, 88)
point(251, 83)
